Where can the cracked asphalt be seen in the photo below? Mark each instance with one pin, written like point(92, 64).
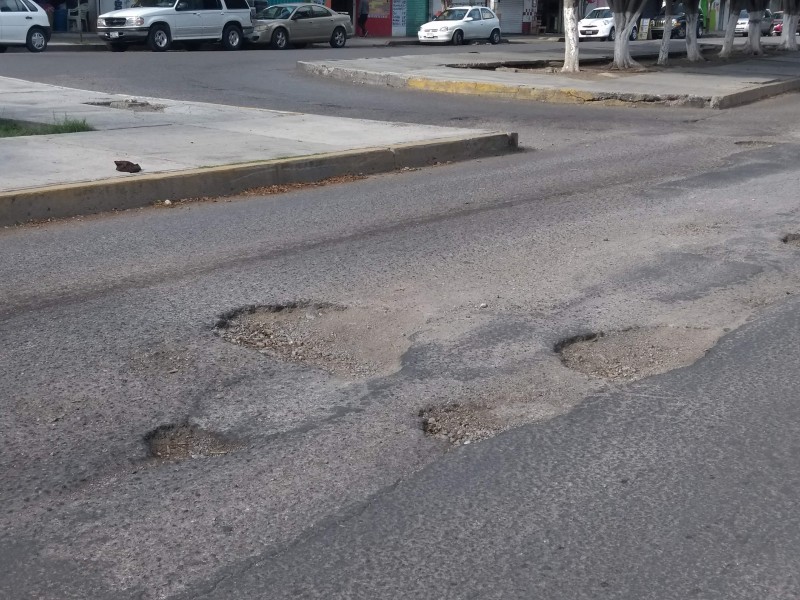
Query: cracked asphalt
point(333, 490)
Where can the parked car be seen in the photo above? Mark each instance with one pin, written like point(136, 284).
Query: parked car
point(300, 24)
point(598, 24)
point(159, 23)
point(743, 24)
point(657, 25)
point(23, 23)
point(462, 23)
point(777, 23)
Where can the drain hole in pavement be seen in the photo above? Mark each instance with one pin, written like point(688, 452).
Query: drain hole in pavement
point(351, 342)
point(792, 239)
point(182, 441)
point(134, 105)
point(632, 354)
point(460, 423)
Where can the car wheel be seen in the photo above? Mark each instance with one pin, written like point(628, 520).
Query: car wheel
point(612, 35)
point(458, 37)
point(280, 39)
point(159, 39)
point(36, 40)
point(232, 37)
point(117, 47)
point(634, 33)
point(338, 38)
point(494, 39)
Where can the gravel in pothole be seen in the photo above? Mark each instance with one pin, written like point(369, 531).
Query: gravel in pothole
point(793, 239)
point(636, 353)
point(179, 442)
point(351, 342)
point(461, 423)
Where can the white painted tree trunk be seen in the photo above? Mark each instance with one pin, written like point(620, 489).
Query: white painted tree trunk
point(663, 50)
point(624, 23)
point(692, 49)
point(788, 35)
point(754, 31)
point(571, 60)
point(730, 29)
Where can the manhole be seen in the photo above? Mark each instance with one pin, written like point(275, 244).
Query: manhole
point(179, 442)
point(352, 342)
point(632, 354)
point(460, 423)
point(134, 105)
point(792, 239)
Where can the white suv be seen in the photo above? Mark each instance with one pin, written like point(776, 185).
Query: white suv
point(23, 23)
point(160, 22)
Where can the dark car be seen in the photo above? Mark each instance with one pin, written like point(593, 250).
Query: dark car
point(678, 23)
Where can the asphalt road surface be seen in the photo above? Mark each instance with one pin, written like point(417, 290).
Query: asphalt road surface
point(316, 478)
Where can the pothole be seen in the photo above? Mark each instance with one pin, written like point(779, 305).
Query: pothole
point(134, 105)
point(753, 143)
point(183, 441)
point(352, 342)
point(460, 423)
point(793, 239)
point(632, 354)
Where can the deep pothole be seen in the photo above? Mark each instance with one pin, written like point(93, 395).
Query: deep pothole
point(183, 441)
point(351, 342)
point(134, 105)
point(460, 423)
point(793, 239)
point(631, 354)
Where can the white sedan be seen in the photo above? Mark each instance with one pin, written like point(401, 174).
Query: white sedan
point(461, 23)
point(599, 25)
point(23, 23)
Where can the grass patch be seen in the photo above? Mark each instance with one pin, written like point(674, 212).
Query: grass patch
point(11, 128)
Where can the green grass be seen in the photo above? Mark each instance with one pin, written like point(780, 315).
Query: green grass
point(10, 128)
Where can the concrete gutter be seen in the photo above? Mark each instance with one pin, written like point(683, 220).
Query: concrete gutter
point(67, 200)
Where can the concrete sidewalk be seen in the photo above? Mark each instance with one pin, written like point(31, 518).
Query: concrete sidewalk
point(193, 149)
point(713, 84)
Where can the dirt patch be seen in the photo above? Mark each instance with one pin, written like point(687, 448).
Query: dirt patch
point(633, 354)
point(461, 423)
point(350, 342)
point(180, 442)
point(793, 239)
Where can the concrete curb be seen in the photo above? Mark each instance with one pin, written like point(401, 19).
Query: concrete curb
point(135, 191)
point(753, 95)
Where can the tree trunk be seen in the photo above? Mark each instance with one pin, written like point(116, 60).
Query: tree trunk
point(754, 31)
point(730, 29)
point(692, 50)
point(788, 35)
point(663, 51)
point(571, 61)
point(624, 23)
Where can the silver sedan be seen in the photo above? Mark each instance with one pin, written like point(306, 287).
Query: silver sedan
point(297, 25)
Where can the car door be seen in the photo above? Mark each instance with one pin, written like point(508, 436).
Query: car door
point(302, 25)
point(472, 29)
point(489, 22)
point(15, 20)
point(187, 22)
point(212, 19)
point(322, 25)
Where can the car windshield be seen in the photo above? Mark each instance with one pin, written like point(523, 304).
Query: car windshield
point(153, 4)
point(600, 13)
point(274, 12)
point(452, 14)
point(744, 15)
